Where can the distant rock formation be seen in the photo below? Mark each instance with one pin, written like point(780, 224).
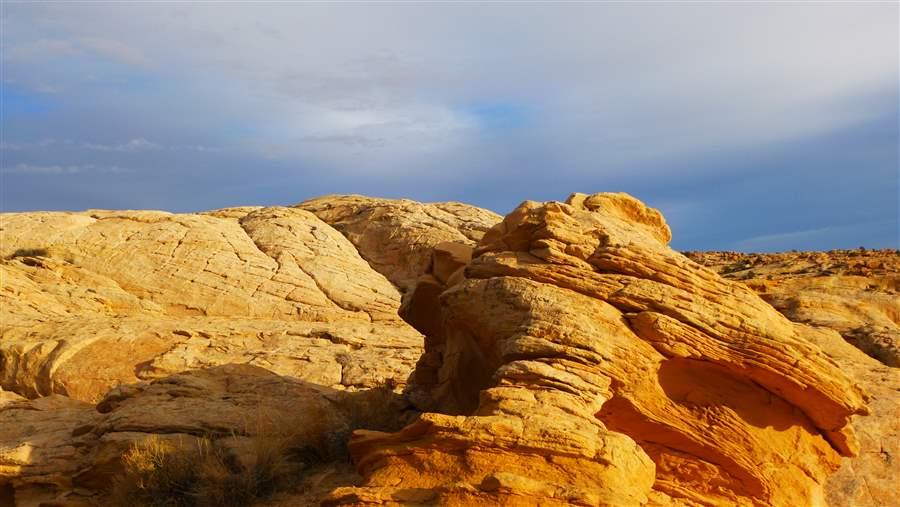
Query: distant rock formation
point(560, 355)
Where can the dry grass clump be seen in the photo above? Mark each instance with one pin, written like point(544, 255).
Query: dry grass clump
point(202, 472)
point(273, 453)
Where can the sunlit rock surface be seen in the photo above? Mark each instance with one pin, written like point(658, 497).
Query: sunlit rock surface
point(583, 361)
point(561, 355)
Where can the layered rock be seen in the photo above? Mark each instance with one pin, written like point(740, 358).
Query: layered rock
point(189, 326)
point(55, 449)
point(581, 361)
point(570, 356)
point(868, 479)
point(92, 300)
point(854, 292)
point(396, 237)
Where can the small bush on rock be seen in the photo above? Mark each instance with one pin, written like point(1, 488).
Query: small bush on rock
point(271, 453)
point(202, 472)
point(29, 252)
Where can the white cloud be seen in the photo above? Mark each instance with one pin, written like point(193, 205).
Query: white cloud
point(60, 169)
point(40, 143)
point(137, 144)
point(40, 49)
point(614, 83)
point(115, 50)
point(54, 48)
point(813, 236)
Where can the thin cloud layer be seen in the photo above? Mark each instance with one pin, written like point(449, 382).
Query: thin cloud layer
point(211, 105)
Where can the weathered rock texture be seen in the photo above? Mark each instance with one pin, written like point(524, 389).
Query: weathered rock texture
point(63, 451)
point(854, 292)
point(397, 236)
point(570, 357)
point(869, 479)
point(272, 313)
point(581, 361)
point(91, 300)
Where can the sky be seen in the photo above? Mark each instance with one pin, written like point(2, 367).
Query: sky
point(751, 126)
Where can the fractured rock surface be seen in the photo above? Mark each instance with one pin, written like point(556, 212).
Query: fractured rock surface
point(231, 315)
point(582, 361)
point(397, 236)
point(91, 300)
point(570, 357)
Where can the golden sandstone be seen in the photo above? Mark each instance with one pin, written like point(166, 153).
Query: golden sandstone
point(561, 355)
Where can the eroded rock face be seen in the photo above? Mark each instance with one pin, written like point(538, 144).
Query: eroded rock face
point(582, 361)
point(570, 357)
point(854, 292)
point(868, 479)
point(184, 326)
point(92, 300)
point(40, 447)
point(396, 236)
point(58, 450)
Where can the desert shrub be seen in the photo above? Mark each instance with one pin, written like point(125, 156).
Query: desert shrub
point(735, 267)
point(202, 472)
point(159, 472)
point(272, 452)
point(29, 252)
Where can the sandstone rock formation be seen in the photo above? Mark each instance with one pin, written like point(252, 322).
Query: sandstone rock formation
point(854, 292)
point(95, 304)
point(69, 451)
point(582, 361)
point(91, 300)
point(869, 479)
point(397, 236)
point(568, 357)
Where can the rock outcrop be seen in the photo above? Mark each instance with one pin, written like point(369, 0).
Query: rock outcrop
point(870, 478)
point(92, 300)
point(854, 292)
point(68, 451)
point(397, 236)
point(185, 326)
point(562, 355)
point(581, 361)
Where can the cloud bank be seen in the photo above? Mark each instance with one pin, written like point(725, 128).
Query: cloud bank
point(752, 126)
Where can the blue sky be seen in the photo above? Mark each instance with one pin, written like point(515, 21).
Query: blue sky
point(756, 127)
